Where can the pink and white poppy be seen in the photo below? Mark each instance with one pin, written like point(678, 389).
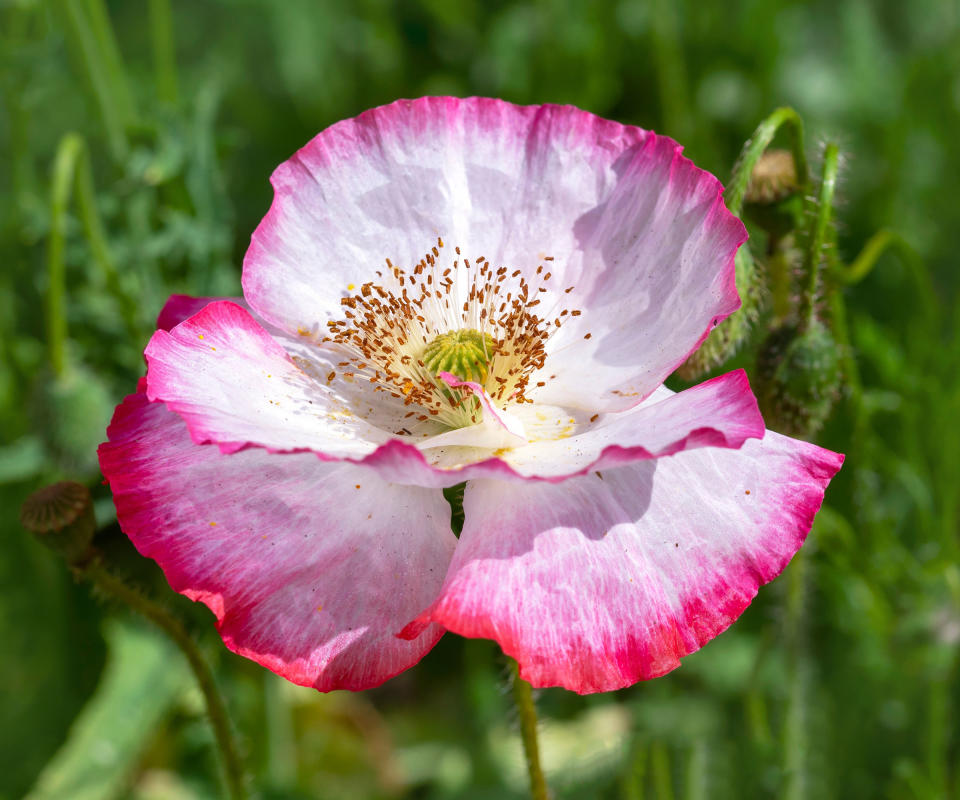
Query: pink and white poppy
point(450, 291)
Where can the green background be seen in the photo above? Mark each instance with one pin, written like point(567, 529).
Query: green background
point(839, 681)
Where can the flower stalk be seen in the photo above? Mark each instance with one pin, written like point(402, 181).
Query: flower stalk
point(164, 52)
point(111, 585)
point(818, 235)
point(91, 39)
point(72, 174)
point(877, 245)
point(756, 146)
point(527, 711)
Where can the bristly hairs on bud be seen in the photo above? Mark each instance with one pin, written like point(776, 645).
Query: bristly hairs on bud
point(819, 235)
point(724, 341)
point(798, 372)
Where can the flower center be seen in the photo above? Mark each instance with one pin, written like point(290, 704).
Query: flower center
point(469, 318)
point(465, 353)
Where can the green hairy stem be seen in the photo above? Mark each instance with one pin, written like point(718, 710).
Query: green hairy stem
point(527, 711)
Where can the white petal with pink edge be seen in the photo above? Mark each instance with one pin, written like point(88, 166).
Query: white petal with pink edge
point(235, 385)
point(721, 412)
point(608, 579)
point(637, 230)
point(309, 567)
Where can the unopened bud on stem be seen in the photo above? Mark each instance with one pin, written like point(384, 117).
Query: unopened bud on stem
point(798, 378)
point(61, 516)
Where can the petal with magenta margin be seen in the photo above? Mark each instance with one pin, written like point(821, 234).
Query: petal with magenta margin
point(183, 306)
point(235, 385)
point(640, 233)
point(602, 581)
point(721, 412)
point(309, 567)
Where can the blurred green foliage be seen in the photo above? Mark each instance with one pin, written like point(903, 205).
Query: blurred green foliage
point(137, 139)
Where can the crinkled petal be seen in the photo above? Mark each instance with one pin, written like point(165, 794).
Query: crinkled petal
point(309, 567)
point(235, 385)
point(721, 412)
point(636, 229)
point(602, 581)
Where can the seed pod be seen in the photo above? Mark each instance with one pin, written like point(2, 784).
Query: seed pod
point(61, 516)
point(797, 378)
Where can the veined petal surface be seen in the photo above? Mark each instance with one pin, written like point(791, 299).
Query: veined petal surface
point(604, 580)
point(721, 412)
point(236, 385)
point(309, 567)
point(639, 233)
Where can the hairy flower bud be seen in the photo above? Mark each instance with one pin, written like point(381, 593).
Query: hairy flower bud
point(773, 178)
point(798, 378)
point(61, 516)
point(71, 411)
point(773, 199)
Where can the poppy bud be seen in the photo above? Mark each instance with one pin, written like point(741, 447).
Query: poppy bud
point(773, 199)
point(72, 410)
point(61, 516)
point(798, 378)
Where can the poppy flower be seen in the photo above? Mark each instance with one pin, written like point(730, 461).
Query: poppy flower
point(448, 291)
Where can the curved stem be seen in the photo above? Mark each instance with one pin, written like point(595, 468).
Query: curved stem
point(90, 42)
point(820, 227)
point(64, 167)
point(755, 147)
point(523, 697)
point(164, 52)
point(72, 169)
point(110, 584)
point(876, 246)
point(671, 73)
point(99, 248)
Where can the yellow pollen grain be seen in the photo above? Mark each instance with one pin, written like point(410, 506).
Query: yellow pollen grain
point(351, 287)
point(213, 524)
point(199, 335)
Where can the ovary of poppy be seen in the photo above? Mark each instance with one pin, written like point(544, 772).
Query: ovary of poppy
point(565, 265)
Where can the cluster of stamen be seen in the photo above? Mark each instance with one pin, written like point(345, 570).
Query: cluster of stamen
point(396, 330)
